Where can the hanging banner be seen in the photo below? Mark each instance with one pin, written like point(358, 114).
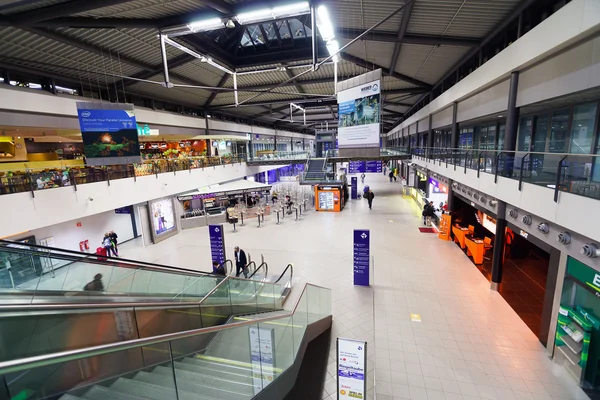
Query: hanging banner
point(109, 133)
point(354, 189)
point(217, 243)
point(362, 256)
point(262, 356)
point(351, 369)
point(359, 113)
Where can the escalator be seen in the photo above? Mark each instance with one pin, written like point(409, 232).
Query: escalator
point(140, 300)
point(256, 355)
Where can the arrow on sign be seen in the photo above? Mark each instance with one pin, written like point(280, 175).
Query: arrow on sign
point(364, 236)
point(216, 229)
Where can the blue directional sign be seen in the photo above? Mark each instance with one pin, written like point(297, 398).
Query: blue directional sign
point(374, 166)
point(362, 256)
point(356, 167)
point(217, 243)
point(354, 189)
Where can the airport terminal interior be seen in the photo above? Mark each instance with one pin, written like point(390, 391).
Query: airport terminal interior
point(297, 200)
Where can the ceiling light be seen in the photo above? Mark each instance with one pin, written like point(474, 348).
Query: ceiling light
point(254, 16)
point(333, 47)
point(205, 25)
point(273, 13)
point(291, 9)
point(230, 24)
point(324, 24)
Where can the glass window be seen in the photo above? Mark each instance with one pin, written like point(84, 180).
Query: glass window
point(465, 140)
point(559, 132)
point(491, 138)
point(298, 29)
point(583, 128)
point(525, 134)
point(501, 132)
point(541, 133)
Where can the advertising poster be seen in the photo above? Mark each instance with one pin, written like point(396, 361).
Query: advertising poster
point(162, 218)
point(217, 243)
point(351, 367)
point(362, 256)
point(262, 357)
point(359, 116)
point(109, 133)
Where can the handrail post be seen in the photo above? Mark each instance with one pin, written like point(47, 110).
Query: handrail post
point(497, 167)
point(466, 159)
point(521, 172)
point(558, 173)
point(31, 187)
point(108, 174)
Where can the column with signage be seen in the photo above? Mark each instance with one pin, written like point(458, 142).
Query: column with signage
point(354, 189)
point(351, 369)
point(362, 256)
point(217, 243)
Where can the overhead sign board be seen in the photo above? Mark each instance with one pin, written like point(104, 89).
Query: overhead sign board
point(359, 116)
point(351, 369)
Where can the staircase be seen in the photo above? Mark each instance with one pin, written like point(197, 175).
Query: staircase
point(316, 170)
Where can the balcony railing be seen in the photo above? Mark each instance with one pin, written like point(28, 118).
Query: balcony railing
point(33, 180)
point(563, 172)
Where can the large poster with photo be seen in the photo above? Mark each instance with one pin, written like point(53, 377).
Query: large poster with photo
point(162, 217)
point(359, 116)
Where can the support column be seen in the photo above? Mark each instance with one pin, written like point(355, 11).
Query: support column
point(275, 142)
point(291, 144)
point(455, 134)
point(430, 136)
point(450, 195)
point(512, 124)
point(499, 242)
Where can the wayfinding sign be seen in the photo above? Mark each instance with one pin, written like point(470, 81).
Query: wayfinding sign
point(262, 356)
point(354, 189)
point(373, 166)
point(362, 256)
point(217, 243)
point(351, 369)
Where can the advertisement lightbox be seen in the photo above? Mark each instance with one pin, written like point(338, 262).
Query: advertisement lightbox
point(162, 218)
point(359, 116)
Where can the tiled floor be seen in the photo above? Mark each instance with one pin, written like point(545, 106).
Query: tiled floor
point(470, 344)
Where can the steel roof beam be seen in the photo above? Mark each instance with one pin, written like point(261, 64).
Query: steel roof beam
point(392, 37)
point(174, 62)
point(214, 94)
point(370, 66)
point(406, 13)
point(59, 10)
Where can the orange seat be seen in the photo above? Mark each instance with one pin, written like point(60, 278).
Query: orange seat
point(487, 241)
point(471, 229)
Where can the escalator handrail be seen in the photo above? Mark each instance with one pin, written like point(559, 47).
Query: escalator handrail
point(291, 268)
point(76, 256)
point(248, 266)
point(12, 366)
point(259, 267)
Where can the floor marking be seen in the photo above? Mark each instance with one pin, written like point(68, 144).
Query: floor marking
point(415, 317)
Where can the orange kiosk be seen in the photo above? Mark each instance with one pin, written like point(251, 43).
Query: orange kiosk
point(329, 198)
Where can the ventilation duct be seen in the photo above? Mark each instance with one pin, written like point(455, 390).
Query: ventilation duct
point(544, 228)
point(590, 250)
point(514, 213)
point(564, 238)
point(526, 219)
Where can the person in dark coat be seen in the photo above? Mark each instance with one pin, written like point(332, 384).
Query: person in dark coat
point(96, 285)
point(370, 197)
point(218, 269)
point(240, 262)
point(113, 240)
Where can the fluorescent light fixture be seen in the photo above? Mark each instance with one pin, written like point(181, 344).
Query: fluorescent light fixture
point(205, 25)
point(324, 24)
point(333, 47)
point(273, 13)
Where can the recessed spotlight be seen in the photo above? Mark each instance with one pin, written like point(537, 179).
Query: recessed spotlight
point(500, 116)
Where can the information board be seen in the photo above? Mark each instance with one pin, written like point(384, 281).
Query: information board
point(261, 356)
point(351, 369)
point(356, 167)
point(373, 166)
point(362, 256)
point(217, 243)
point(354, 189)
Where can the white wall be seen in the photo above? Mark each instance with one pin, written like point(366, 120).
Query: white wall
point(54, 206)
point(575, 22)
point(573, 212)
point(490, 101)
point(67, 235)
point(442, 118)
point(423, 125)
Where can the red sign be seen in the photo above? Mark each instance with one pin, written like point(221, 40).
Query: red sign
point(79, 224)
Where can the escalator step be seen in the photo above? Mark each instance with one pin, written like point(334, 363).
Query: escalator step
point(241, 376)
point(216, 379)
point(68, 396)
point(232, 391)
point(218, 365)
point(99, 392)
point(150, 391)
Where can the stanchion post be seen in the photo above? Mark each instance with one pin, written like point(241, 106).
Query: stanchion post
point(258, 218)
point(296, 213)
point(277, 216)
point(234, 227)
point(242, 215)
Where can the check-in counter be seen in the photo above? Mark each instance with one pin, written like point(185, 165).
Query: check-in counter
point(459, 235)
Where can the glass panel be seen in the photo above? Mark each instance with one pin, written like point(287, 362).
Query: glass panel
point(501, 132)
point(216, 308)
point(256, 35)
point(300, 319)
point(583, 128)
point(243, 296)
point(270, 31)
point(246, 40)
point(525, 129)
point(314, 303)
point(98, 376)
point(284, 32)
point(559, 132)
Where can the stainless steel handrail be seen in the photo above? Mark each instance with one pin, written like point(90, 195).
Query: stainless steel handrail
point(291, 268)
point(7, 367)
point(259, 267)
point(442, 149)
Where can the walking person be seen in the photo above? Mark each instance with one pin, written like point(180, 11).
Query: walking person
point(113, 240)
point(391, 175)
point(362, 178)
point(370, 197)
point(107, 244)
point(240, 262)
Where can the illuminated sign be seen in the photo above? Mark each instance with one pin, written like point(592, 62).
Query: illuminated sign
point(437, 187)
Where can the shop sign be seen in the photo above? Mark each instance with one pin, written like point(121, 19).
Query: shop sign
point(262, 356)
point(437, 187)
point(351, 369)
point(588, 276)
point(143, 130)
point(523, 233)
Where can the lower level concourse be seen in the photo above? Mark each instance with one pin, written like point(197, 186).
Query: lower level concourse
point(465, 343)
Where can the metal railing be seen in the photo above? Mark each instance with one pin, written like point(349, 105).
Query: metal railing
point(280, 155)
point(36, 179)
point(562, 172)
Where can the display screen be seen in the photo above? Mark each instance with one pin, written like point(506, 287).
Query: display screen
point(359, 116)
point(326, 200)
point(162, 216)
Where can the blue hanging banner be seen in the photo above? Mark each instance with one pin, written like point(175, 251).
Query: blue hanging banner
point(354, 189)
point(374, 166)
point(356, 167)
point(109, 133)
point(217, 243)
point(362, 256)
